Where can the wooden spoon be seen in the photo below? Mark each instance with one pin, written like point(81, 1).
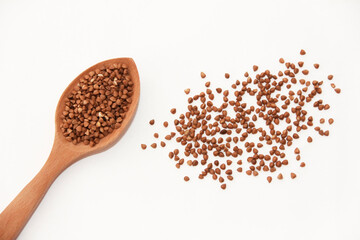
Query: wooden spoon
point(63, 154)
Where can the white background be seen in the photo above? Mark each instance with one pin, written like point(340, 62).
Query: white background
point(127, 193)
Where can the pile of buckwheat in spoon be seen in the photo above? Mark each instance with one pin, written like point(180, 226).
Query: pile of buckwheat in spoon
point(97, 105)
point(221, 139)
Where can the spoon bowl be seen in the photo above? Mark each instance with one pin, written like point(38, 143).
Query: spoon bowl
point(81, 150)
point(63, 154)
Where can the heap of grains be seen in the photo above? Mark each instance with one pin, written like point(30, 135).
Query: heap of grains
point(97, 105)
point(250, 127)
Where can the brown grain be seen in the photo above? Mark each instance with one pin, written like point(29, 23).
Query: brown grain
point(305, 72)
point(269, 179)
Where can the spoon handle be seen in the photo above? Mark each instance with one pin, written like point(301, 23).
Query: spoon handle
point(18, 212)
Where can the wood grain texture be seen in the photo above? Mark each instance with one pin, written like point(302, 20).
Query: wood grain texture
point(63, 154)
